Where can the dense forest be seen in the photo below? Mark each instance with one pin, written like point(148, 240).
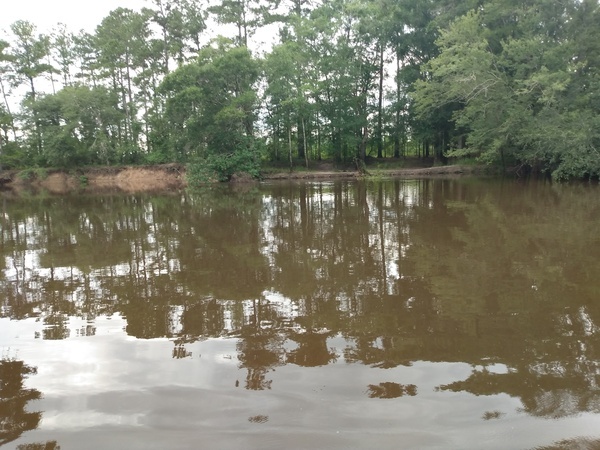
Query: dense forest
point(509, 82)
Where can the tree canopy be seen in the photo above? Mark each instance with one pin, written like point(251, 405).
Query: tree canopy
point(514, 83)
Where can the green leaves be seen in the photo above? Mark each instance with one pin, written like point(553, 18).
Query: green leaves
point(243, 159)
point(29, 52)
point(77, 126)
point(515, 94)
point(211, 107)
point(508, 81)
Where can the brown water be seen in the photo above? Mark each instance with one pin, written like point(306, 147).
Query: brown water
point(397, 314)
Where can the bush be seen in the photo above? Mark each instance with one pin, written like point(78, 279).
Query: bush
point(222, 166)
point(13, 156)
point(34, 173)
point(578, 162)
point(157, 158)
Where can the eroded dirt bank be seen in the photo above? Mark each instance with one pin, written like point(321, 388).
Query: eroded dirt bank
point(170, 177)
point(126, 179)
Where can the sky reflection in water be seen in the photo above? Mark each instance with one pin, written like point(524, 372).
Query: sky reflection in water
point(395, 314)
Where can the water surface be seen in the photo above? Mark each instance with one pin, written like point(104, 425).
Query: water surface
point(386, 314)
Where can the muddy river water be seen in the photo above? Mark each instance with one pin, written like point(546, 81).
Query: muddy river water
point(431, 314)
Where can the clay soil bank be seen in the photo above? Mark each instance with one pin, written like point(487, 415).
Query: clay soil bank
point(171, 177)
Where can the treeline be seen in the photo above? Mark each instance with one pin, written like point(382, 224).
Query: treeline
point(510, 82)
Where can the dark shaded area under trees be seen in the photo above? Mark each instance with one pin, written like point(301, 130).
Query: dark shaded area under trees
point(508, 82)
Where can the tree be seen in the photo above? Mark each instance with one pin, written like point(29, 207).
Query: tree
point(79, 127)
point(7, 120)
point(514, 87)
point(121, 43)
point(28, 60)
point(63, 47)
point(211, 106)
point(279, 73)
point(170, 21)
point(295, 32)
point(511, 82)
point(87, 59)
point(241, 13)
point(29, 55)
point(5, 59)
point(194, 23)
point(346, 66)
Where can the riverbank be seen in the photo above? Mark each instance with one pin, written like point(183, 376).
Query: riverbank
point(169, 177)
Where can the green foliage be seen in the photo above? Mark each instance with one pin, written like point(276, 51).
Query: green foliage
point(26, 174)
point(13, 156)
point(503, 81)
point(222, 166)
point(29, 55)
point(211, 109)
point(76, 126)
point(36, 173)
point(157, 157)
point(521, 97)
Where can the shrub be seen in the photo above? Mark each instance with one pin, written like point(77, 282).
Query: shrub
point(222, 166)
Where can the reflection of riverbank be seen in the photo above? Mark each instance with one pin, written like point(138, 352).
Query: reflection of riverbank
point(357, 282)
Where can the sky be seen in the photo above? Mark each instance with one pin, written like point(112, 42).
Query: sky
point(76, 14)
point(86, 15)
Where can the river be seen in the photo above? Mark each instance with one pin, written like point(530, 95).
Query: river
point(435, 314)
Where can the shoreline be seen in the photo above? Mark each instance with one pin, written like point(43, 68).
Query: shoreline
point(170, 177)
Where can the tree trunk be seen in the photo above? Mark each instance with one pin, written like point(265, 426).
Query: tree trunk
point(318, 139)
point(397, 121)
point(380, 105)
point(382, 240)
point(304, 139)
point(51, 73)
point(301, 144)
point(7, 105)
point(362, 153)
point(290, 147)
point(130, 102)
point(38, 131)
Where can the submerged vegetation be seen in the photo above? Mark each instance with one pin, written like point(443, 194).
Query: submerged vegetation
point(511, 83)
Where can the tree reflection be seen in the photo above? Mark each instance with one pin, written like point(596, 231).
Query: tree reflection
point(260, 347)
point(312, 350)
point(179, 350)
point(14, 419)
point(56, 327)
point(50, 445)
point(582, 443)
point(403, 271)
point(391, 390)
point(542, 395)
